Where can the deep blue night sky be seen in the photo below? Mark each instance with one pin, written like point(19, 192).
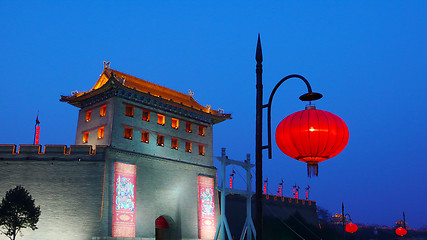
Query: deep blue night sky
point(367, 58)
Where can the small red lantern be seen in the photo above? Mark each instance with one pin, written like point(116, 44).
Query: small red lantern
point(351, 228)
point(401, 231)
point(312, 136)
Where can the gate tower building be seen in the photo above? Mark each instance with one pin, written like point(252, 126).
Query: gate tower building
point(141, 167)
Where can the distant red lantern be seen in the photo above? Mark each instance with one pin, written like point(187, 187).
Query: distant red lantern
point(351, 228)
point(312, 136)
point(401, 231)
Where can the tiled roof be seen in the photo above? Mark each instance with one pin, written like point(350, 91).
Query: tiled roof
point(148, 88)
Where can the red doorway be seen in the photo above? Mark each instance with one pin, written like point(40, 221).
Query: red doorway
point(162, 228)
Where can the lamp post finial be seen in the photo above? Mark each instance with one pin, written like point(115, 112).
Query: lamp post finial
point(258, 55)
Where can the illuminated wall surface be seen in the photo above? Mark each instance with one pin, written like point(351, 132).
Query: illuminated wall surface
point(69, 194)
point(206, 207)
point(124, 200)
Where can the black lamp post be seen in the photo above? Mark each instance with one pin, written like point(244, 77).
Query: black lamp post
point(309, 96)
point(343, 219)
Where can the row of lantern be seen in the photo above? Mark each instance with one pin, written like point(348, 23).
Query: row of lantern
point(352, 228)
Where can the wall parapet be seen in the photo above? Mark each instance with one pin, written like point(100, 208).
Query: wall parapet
point(279, 200)
point(52, 152)
point(295, 201)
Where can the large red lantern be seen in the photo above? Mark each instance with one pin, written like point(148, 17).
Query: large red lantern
point(312, 136)
point(351, 228)
point(401, 231)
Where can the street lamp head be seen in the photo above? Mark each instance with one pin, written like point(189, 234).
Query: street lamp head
point(311, 96)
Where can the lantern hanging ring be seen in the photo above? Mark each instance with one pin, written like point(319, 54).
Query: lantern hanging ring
point(309, 96)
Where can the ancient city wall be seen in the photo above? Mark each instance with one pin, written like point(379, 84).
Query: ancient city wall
point(278, 212)
point(74, 188)
point(67, 183)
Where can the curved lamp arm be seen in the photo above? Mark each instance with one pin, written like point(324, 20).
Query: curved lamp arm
point(309, 96)
point(349, 217)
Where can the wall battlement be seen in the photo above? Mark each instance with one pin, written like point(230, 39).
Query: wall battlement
point(271, 199)
point(279, 200)
point(276, 211)
point(52, 152)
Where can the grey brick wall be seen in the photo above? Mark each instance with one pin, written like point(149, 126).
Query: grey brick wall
point(70, 187)
point(278, 209)
point(69, 194)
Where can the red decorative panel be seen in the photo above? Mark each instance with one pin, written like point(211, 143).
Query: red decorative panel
point(206, 197)
point(124, 200)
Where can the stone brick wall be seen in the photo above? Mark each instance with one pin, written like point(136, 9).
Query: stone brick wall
point(76, 196)
point(68, 190)
point(277, 212)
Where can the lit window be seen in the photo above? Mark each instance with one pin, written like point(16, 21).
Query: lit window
point(201, 150)
point(160, 119)
point(145, 115)
point(174, 144)
point(129, 111)
point(175, 123)
point(145, 137)
point(100, 132)
point(188, 147)
point(189, 127)
point(85, 137)
point(202, 130)
point(160, 140)
point(103, 111)
point(128, 133)
point(88, 114)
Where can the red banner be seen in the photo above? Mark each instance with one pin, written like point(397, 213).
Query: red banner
point(124, 200)
point(206, 190)
point(36, 141)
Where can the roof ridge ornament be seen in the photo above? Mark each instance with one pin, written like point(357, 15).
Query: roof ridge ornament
point(190, 93)
point(107, 65)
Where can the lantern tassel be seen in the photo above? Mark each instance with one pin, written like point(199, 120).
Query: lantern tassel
point(312, 169)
